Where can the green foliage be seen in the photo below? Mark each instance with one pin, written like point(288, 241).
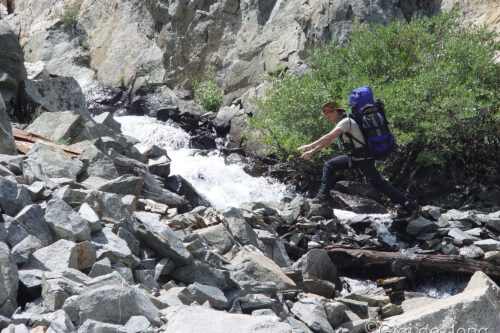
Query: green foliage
point(122, 82)
point(63, 142)
point(69, 17)
point(438, 81)
point(207, 93)
point(278, 71)
point(85, 45)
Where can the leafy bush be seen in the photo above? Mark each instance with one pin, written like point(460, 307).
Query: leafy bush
point(207, 93)
point(69, 17)
point(438, 80)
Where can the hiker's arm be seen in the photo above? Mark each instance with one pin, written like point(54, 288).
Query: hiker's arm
point(321, 143)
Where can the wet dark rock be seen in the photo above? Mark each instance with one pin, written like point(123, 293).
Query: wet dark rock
point(357, 203)
point(202, 141)
point(420, 226)
point(182, 187)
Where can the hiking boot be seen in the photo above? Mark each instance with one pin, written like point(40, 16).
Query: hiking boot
point(321, 200)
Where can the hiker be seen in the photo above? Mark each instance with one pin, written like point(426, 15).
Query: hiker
point(349, 132)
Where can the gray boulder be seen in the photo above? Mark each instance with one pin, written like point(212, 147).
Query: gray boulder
point(96, 164)
point(31, 218)
point(56, 257)
point(108, 244)
point(106, 119)
point(22, 250)
point(316, 264)
point(312, 312)
point(93, 326)
point(9, 281)
point(202, 273)
point(12, 70)
point(46, 161)
point(216, 237)
point(212, 321)
point(161, 238)
point(420, 226)
point(7, 143)
point(56, 289)
point(240, 228)
point(261, 269)
point(125, 184)
point(460, 310)
point(213, 295)
point(57, 321)
point(89, 215)
point(13, 197)
point(65, 222)
point(137, 324)
point(59, 126)
point(160, 166)
point(54, 95)
point(114, 304)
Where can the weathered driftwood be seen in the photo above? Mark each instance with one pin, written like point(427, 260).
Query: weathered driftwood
point(379, 262)
point(26, 140)
point(152, 189)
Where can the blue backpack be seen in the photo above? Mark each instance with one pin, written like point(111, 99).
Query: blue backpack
point(370, 117)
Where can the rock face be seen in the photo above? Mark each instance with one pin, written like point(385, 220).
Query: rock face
point(7, 143)
point(8, 282)
point(481, 293)
point(211, 321)
point(12, 70)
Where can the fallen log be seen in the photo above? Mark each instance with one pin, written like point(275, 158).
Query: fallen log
point(26, 140)
point(394, 263)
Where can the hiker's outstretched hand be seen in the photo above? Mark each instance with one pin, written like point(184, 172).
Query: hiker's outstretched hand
point(304, 148)
point(307, 154)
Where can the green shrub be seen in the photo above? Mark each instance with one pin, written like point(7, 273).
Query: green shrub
point(438, 80)
point(207, 93)
point(69, 17)
point(122, 82)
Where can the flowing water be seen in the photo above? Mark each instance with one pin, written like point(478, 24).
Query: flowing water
point(224, 185)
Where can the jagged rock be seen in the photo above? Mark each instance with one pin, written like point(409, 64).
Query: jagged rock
point(358, 307)
point(319, 287)
point(101, 267)
point(13, 197)
point(108, 244)
point(54, 95)
point(488, 244)
point(357, 203)
point(11, 64)
point(30, 280)
point(164, 267)
point(212, 321)
point(312, 313)
point(4, 322)
point(125, 184)
point(182, 187)
point(31, 218)
point(160, 166)
point(56, 289)
point(461, 236)
point(59, 126)
point(137, 324)
point(65, 222)
point(480, 293)
point(213, 295)
point(128, 237)
point(316, 264)
point(45, 161)
point(202, 273)
point(106, 205)
point(106, 119)
point(222, 121)
point(114, 304)
point(217, 237)
point(89, 215)
point(420, 226)
point(173, 296)
point(494, 223)
point(93, 326)
point(9, 280)
point(56, 257)
point(292, 210)
point(36, 71)
point(390, 310)
point(22, 250)
point(161, 238)
point(471, 251)
point(261, 269)
point(250, 303)
point(240, 228)
point(7, 143)
point(96, 164)
point(335, 312)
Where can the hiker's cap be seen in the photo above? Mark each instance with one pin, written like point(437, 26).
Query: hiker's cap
point(332, 106)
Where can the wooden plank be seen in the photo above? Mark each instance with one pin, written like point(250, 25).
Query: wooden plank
point(23, 140)
point(425, 263)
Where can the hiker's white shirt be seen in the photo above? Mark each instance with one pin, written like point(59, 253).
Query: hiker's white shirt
point(349, 125)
